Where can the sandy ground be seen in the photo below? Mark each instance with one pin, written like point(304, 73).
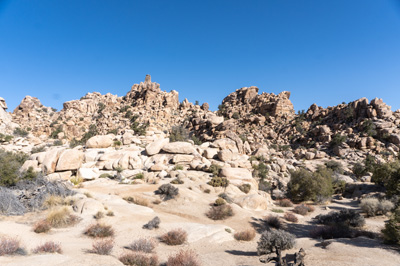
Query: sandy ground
point(208, 238)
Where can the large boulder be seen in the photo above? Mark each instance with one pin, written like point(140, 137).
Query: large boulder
point(156, 146)
point(179, 147)
point(70, 160)
point(101, 141)
point(254, 202)
point(50, 160)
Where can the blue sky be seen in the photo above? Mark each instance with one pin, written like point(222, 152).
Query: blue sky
point(324, 52)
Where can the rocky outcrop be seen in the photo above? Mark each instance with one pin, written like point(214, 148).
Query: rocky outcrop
point(6, 124)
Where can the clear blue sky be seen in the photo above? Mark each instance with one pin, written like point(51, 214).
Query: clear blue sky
point(324, 52)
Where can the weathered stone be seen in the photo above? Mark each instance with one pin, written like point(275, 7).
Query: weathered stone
point(210, 153)
point(70, 160)
point(156, 146)
point(88, 173)
point(254, 202)
point(101, 141)
point(179, 147)
point(50, 160)
point(182, 158)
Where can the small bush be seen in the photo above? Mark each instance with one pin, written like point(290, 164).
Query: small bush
point(20, 132)
point(303, 209)
point(174, 237)
point(373, 206)
point(346, 217)
point(10, 163)
point(246, 235)
point(217, 181)
point(154, 223)
point(330, 232)
point(61, 218)
point(110, 213)
point(145, 245)
point(207, 191)
point(102, 246)
point(53, 201)
point(273, 221)
point(184, 258)
point(98, 215)
point(139, 176)
point(178, 133)
point(138, 201)
point(9, 246)
point(42, 226)
point(391, 232)
point(290, 217)
point(337, 140)
point(99, 230)
point(245, 188)
point(177, 181)
point(221, 212)
point(335, 166)
point(225, 197)
point(285, 203)
point(278, 210)
point(48, 247)
point(215, 169)
point(178, 167)
point(168, 191)
point(76, 180)
point(220, 201)
point(139, 259)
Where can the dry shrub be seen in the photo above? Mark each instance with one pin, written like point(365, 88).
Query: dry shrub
point(285, 203)
point(184, 258)
point(153, 223)
point(274, 222)
point(139, 259)
point(303, 209)
point(42, 226)
point(290, 217)
point(48, 247)
point(98, 215)
point(9, 246)
point(246, 235)
point(110, 213)
point(221, 212)
point(61, 218)
point(102, 246)
point(99, 230)
point(174, 237)
point(145, 245)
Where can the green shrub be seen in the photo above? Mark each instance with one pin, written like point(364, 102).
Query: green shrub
point(196, 140)
point(101, 107)
point(10, 163)
point(167, 191)
point(20, 132)
point(214, 169)
point(217, 181)
point(388, 175)
point(261, 170)
point(55, 133)
point(178, 167)
point(178, 133)
point(335, 166)
point(305, 185)
point(373, 206)
point(245, 188)
point(346, 218)
point(336, 140)
point(391, 232)
point(275, 241)
point(5, 138)
point(220, 212)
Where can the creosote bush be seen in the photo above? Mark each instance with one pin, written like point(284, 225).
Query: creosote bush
point(305, 185)
point(246, 235)
point(184, 258)
point(273, 221)
point(221, 212)
point(9, 246)
point(167, 191)
point(102, 246)
point(346, 217)
point(99, 230)
point(152, 224)
point(48, 247)
point(219, 201)
point(391, 232)
point(303, 209)
point(146, 245)
point(139, 259)
point(10, 163)
point(174, 237)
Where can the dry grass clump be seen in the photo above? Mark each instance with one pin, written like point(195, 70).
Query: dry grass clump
point(184, 258)
point(42, 226)
point(138, 201)
point(48, 247)
point(290, 217)
point(146, 245)
point(98, 215)
point(274, 222)
point(102, 246)
point(246, 235)
point(99, 230)
point(373, 206)
point(110, 213)
point(221, 212)
point(174, 237)
point(303, 209)
point(153, 223)
point(61, 217)
point(285, 203)
point(9, 246)
point(53, 201)
point(139, 259)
